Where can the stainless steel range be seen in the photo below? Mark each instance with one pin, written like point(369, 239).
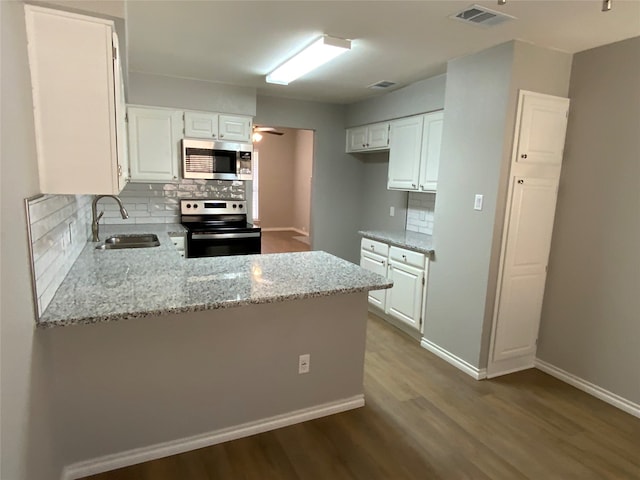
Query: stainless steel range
point(218, 227)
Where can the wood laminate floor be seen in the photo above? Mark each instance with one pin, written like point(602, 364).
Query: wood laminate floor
point(283, 242)
point(424, 419)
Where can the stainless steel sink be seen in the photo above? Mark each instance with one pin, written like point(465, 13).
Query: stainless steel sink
point(143, 240)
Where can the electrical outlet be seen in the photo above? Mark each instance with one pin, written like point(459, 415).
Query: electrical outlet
point(477, 204)
point(392, 211)
point(304, 363)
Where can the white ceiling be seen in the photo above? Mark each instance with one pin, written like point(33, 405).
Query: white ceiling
point(239, 42)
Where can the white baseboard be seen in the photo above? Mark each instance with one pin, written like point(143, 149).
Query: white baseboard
point(592, 389)
point(285, 229)
point(466, 367)
point(160, 450)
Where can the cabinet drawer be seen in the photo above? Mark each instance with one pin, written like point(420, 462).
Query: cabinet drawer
point(408, 257)
point(374, 246)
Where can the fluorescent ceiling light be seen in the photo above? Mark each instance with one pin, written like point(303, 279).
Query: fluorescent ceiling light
point(318, 53)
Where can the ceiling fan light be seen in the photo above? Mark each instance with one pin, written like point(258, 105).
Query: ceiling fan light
point(318, 53)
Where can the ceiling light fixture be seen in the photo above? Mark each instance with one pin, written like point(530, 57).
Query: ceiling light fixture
point(502, 2)
point(606, 5)
point(317, 53)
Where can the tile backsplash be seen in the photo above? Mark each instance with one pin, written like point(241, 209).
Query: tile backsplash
point(420, 212)
point(60, 227)
point(160, 202)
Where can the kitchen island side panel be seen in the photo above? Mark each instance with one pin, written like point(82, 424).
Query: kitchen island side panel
point(135, 384)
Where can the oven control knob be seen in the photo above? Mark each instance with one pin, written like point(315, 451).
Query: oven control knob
point(235, 206)
point(240, 205)
point(188, 205)
point(195, 205)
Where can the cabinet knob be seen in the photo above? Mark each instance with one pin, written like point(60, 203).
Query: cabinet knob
point(404, 257)
point(520, 182)
point(524, 155)
point(413, 185)
point(175, 178)
point(221, 136)
point(367, 144)
point(373, 247)
point(382, 262)
point(363, 145)
point(213, 135)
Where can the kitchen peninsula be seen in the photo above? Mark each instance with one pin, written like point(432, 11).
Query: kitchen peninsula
point(149, 359)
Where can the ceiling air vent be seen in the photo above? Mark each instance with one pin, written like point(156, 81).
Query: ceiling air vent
point(478, 15)
point(382, 84)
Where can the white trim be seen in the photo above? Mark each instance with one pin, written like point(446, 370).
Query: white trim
point(592, 389)
point(285, 229)
point(466, 367)
point(160, 450)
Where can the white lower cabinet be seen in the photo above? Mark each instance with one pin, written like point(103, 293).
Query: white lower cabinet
point(408, 270)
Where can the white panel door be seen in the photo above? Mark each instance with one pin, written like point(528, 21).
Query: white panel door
point(201, 125)
point(376, 264)
point(404, 299)
point(378, 136)
point(233, 128)
point(405, 141)
point(543, 126)
point(154, 137)
point(430, 153)
point(528, 240)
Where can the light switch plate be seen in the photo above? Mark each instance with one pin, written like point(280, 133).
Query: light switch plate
point(392, 211)
point(477, 204)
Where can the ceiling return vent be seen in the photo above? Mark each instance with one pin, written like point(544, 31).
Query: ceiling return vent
point(382, 84)
point(482, 16)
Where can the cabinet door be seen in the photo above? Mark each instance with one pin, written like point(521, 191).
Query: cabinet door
point(405, 140)
point(154, 138)
point(121, 122)
point(430, 151)
point(201, 125)
point(376, 264)
point(71, 61)
point(234, 128)
point(378, 136)
point(404, 299)
point(356, 139)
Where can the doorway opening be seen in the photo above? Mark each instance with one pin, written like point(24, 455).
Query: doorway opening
point(281, 190)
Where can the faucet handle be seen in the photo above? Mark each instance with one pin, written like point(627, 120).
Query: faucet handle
point(99, 216)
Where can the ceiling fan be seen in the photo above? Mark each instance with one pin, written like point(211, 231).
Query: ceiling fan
point(269, 130)
point(258, 131)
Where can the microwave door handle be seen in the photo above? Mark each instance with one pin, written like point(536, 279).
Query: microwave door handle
point(220, 236)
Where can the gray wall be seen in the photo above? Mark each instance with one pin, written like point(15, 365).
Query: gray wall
point(590, 325)
point(337, 176)
point(161, 91)
point(26, 416)
point(376, 199)
point(479, 118)
point(419, 97)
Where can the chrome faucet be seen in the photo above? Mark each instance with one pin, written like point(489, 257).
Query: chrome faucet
point(96, 218)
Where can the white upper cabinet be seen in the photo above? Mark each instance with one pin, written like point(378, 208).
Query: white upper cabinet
point(405, 142)
point(76, 93)
point(430, 151)
point(217, 126)
point(154, 144)
point(201, 125)
point(368, 138)
point(234, 128)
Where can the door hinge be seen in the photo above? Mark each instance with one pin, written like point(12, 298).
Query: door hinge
point(114, 51)
point(422, 280)
point(546, 268)
point(126, 117)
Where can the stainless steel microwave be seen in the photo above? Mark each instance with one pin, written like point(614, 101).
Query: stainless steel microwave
point(214, 160)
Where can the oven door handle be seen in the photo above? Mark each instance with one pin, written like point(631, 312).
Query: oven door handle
point(216, 236)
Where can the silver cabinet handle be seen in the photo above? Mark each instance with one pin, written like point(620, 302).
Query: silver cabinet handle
point(404, 257)
point(382, 262)
point(215, 236)
point(373, 247)
point(413, 185)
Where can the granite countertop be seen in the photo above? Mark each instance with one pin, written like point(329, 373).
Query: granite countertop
point(109, 285)
point(419, 242)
